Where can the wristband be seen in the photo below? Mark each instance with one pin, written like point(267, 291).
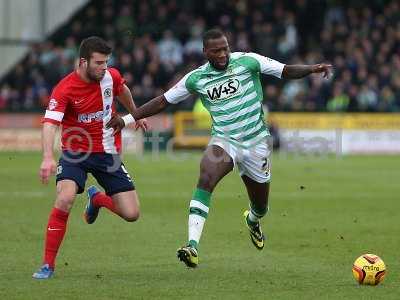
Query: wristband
point(128, 119)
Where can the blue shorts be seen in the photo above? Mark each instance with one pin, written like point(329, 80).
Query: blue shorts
point(108, 170)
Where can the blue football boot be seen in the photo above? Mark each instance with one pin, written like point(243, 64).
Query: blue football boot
point(45, 272)
point(91, 212)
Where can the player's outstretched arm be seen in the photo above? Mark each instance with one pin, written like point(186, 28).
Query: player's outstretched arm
point(126, 99)
point(154, 106)
point(179, 92)
point(300, 71)
point(48, 166)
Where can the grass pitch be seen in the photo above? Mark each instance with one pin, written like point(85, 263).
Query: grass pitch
point(324, 213)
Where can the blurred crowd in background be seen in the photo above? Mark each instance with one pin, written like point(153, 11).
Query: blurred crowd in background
point(156, 42)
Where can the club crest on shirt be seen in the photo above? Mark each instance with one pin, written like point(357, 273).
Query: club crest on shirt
point(107, 92)
point(52, 104)
point(224, 90)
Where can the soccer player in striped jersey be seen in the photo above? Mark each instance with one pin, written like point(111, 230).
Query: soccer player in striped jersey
point(229, 87)
point(83, 102)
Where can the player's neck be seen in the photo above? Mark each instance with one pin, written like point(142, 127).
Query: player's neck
point(82, 75)
point(215, 68)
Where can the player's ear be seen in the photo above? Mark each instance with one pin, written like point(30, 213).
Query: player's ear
point(83, 62)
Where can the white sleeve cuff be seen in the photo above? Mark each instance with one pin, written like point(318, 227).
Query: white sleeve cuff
point(128, 119)
point(55, 115)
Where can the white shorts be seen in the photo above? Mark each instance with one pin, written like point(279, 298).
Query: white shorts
point(254, 162)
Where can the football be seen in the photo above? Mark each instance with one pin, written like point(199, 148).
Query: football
point(369, 269)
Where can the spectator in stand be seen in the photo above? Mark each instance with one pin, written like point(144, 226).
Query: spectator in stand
point(170, 50)
point(157, 39)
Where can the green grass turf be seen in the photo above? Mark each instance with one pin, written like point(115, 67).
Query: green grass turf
point(348, 206)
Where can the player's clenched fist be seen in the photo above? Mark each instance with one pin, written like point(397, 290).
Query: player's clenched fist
point(47, 168)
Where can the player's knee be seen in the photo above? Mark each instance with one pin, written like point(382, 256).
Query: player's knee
point(66, 192)
point(64, 201)
point(131, 216)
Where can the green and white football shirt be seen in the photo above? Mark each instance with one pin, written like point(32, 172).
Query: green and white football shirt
point(233, 96)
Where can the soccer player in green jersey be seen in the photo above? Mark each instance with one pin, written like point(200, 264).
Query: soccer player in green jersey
point(229, 87)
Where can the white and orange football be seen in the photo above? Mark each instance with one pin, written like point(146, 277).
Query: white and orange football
point(369, 269)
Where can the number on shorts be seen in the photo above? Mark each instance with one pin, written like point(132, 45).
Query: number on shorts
point(266, 167)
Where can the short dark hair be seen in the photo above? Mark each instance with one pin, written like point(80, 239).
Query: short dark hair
point(93, 44)
point(212, 34)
